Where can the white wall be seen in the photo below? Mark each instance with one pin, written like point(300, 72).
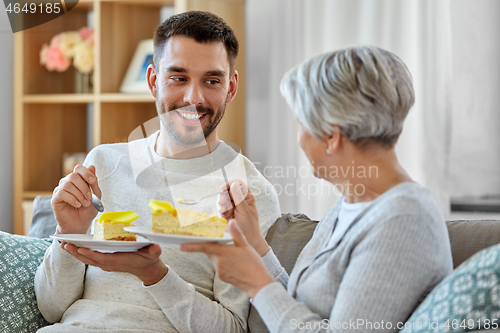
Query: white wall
point(6, 122)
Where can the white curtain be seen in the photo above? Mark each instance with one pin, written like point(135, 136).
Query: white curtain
point(418, 31)
point(475, 150)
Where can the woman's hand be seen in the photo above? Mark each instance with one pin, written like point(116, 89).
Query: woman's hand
point(238, 264)
point(245, 213)
point(71, 200)
point(144, 263)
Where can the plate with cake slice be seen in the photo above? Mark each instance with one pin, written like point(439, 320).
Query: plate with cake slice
point(176, 240)
point(109, 234)
point(104, 246)
point(173, 226)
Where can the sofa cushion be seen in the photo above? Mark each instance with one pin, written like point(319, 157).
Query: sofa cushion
point(43, 221)
point(20, 257)
point(467, 299)
point(470, 236)
point(289, 234)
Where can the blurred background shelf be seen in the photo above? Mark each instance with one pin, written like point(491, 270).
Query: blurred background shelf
point(30, 195)
point(125, 98)
point(51, 120)
point(58, 98)
point(87, 98)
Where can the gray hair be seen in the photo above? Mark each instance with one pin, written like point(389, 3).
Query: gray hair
point(365, 90)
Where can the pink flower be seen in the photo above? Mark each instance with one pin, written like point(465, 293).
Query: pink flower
point(86, 33)
point(55, 60)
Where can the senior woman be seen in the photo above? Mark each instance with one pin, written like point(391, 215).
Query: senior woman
point(383, 246)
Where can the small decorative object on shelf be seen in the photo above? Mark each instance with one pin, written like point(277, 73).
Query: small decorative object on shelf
point(84, 83)
point(72, 47)
point(135, 80)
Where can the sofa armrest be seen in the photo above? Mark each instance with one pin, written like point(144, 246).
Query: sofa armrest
point(288, 235)
point(468, 237)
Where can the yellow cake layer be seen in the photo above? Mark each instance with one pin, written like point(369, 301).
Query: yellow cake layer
point(202, 225)
point(109, 230)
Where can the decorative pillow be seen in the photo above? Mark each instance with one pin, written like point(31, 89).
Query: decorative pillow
point(466, 300)
point(20, 257)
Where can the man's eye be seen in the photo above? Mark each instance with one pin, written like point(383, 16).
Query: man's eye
point(212, 81)
point(178, 79)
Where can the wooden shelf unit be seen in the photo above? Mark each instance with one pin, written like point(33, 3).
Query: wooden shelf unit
point(50, 119)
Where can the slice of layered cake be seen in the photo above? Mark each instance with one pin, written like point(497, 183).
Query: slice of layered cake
point(168, 220)
point(110, 226)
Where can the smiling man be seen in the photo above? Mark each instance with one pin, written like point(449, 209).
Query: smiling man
point(157, 288)
point(192, 74)
point(195, 79)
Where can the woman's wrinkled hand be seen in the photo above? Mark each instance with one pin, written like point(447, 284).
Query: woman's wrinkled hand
point(240, 204)
point(238, 264)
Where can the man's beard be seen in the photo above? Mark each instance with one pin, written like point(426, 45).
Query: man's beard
point(194, 134)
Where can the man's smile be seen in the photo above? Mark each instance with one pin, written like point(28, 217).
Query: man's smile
point(190, 118)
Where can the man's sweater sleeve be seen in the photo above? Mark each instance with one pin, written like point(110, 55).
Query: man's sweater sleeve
point(389, 271)
point(58, 282)
point(192, 312)
point(266, 198)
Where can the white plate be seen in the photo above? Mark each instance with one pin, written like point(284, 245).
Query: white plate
point(81, 240)
point(175, 240)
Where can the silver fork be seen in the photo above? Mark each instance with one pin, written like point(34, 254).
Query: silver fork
point(194, 202)
point(96, 202)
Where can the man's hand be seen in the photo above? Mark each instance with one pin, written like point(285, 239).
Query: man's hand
point(71, 200)
point(245, 213)
point(238, 264)
point(144, 263)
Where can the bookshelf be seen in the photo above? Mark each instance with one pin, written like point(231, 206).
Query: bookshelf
point(50, 119)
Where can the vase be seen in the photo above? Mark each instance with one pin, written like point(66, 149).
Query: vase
point(84, 83)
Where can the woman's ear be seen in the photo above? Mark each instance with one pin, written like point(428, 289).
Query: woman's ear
point(335, 141)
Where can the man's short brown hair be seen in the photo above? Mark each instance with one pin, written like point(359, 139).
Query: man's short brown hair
point(203, 27)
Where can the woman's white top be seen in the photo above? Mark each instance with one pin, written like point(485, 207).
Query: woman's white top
point(347, 214)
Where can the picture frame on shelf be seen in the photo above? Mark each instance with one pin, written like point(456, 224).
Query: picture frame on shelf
point(135, 80)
